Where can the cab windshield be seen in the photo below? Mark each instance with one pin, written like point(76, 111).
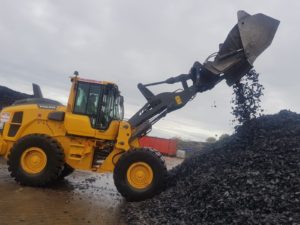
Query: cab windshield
point(101, 103)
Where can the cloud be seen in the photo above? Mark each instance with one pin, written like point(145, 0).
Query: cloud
point(134, 41)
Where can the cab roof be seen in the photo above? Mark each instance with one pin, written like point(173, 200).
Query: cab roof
point(95, 81)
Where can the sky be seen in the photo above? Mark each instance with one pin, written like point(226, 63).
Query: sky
point(137, 41)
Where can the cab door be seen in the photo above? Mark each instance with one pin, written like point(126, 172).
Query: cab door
point(83, 118)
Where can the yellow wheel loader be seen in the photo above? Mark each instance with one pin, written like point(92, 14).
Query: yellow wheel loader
point(44, 141)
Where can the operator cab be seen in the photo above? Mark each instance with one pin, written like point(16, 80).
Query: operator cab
point(100, 101)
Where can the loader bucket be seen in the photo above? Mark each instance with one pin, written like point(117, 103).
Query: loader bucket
point(244, 43)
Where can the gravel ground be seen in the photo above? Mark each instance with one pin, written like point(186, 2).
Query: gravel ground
point(252, 177)
point(84, 198)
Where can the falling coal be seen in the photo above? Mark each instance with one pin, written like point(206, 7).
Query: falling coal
point(246, 98)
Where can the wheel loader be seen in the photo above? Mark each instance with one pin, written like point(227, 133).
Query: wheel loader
point(43, 141)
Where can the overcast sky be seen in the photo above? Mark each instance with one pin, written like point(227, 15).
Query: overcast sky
point(134, 41)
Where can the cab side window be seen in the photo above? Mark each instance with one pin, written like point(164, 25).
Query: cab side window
point(106, 109)
point(81, 98)
point(87, 101)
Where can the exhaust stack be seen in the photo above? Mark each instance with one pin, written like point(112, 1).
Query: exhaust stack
point(37, 92)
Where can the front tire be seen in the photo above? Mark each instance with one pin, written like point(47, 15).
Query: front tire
point(140, 174)
point(36, 160)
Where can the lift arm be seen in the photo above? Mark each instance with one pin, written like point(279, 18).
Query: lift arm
point(158, 106)
point(244, 43)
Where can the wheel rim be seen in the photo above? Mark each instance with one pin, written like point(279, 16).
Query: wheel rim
point(33, 160)
point(140, 175)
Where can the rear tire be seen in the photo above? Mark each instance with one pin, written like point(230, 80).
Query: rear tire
point(36, 160)
point(140, 174)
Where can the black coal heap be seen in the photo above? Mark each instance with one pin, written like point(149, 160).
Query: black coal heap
point(8, 96)
point(251, 177)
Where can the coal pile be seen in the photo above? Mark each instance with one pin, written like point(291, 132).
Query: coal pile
point(251, 177)
point(8, 96)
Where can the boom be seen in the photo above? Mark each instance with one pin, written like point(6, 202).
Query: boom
point(245, 42)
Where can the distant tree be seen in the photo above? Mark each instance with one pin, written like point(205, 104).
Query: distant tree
point(211, 140)
point(223, 136)
point(177, 138)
